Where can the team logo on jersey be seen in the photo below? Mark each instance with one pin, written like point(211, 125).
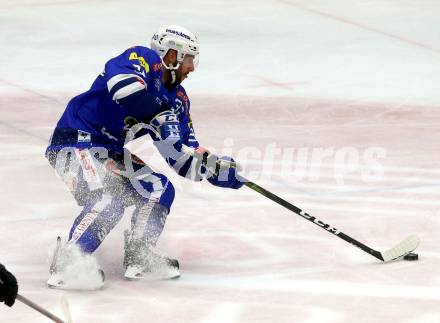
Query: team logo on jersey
point(185, 100)
point(157, 67)
point(84, 136)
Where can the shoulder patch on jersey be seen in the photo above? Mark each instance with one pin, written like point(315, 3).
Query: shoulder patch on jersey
point(141, 60)
point(182, 95)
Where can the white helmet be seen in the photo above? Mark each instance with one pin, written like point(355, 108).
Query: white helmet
point(177, 38)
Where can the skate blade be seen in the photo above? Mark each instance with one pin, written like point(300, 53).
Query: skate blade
point(56, 282)
point(134, 273)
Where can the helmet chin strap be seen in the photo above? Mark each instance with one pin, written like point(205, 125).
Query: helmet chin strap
point(172, 70)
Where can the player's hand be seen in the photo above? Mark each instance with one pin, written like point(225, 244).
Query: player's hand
point(213, 162)
point(225, 173)
point(8, 287)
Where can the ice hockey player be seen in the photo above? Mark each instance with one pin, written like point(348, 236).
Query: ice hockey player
point(138, 93)
point(8, 286)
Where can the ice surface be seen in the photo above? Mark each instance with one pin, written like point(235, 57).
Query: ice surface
point(283, 81)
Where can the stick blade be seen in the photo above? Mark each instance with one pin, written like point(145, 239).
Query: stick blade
point(66, 309)
point(402, 249)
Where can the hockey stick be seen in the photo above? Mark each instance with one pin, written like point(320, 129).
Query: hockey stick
point(400, 250)
point(38, 308)
point(65, 308)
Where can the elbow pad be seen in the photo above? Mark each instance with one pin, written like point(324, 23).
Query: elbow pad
point(130, 92)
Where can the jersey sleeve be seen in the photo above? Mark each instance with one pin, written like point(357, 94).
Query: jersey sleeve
point(191, 140)
point(131, 82)
point(182, 108)
point(186, 165)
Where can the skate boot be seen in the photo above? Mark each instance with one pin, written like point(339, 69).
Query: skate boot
point(72, 269)
point(140, 261)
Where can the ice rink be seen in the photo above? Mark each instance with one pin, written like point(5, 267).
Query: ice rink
point(333, 105)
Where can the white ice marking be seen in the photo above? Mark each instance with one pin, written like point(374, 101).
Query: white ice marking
point(226, 312)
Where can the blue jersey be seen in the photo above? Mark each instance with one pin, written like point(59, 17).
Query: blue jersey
point(127, 92)
point(178, 100)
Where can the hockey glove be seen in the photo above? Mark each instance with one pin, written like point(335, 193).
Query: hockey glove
point(224, 174)
point(8, 287)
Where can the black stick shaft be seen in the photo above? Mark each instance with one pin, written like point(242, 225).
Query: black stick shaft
point(38, 308)
point(312, 219)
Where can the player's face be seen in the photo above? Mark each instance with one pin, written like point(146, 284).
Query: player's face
point(186, 67)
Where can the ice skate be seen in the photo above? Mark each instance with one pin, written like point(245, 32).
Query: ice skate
point(72, 269)
point(141, 262)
